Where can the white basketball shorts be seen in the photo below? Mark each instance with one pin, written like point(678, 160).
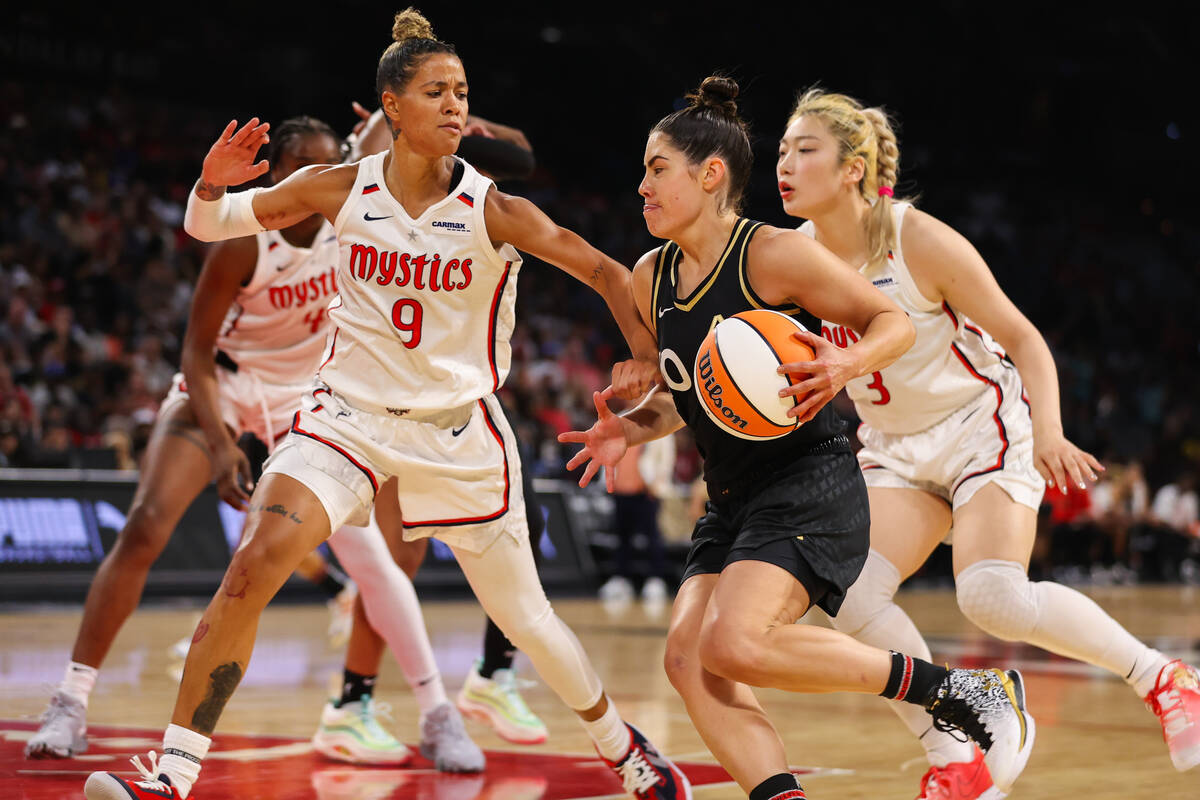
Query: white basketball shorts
point(248, 403)
point(988, 440)
point(458, 472)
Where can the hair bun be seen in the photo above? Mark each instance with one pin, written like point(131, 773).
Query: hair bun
point(717, 92)
point(411, 24)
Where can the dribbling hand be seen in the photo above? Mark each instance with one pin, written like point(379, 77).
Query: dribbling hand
point(825, 375)
point(604, 444)
point(230, 161)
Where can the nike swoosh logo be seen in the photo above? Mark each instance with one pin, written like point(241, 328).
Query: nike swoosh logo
point(662, 311)
point(460, 430)
point(367, 217)
point(285, 266)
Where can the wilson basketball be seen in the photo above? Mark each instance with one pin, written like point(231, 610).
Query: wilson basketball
point(735, 373)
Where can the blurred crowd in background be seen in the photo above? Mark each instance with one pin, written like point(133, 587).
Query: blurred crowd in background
point(96, 277)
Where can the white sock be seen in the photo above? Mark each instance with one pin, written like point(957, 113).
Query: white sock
point(609, 733)
point(1144, 674)
point(429, 693)
point(78, 681)
point(183, 750)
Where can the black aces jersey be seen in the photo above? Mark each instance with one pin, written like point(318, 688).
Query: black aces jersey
point(682, 324)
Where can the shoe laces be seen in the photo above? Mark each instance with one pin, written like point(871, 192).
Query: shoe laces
point(954, 708)
point(150, 777)
point(369, 712)
point(507, 685)
point(637, 775)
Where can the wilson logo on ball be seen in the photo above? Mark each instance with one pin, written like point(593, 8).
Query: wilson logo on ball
point(735, 373)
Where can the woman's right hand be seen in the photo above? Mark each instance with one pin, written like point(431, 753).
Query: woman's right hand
point(604, 444)
point(230, 161)
point(233, 474)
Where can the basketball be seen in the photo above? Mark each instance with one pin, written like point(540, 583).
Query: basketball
point(735, 373)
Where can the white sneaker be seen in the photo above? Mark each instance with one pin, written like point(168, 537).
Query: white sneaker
point(654, 590)
point(616, 588)
point(445, 742)
point(988, 705)
point(497, 702)
point(352, 734)
point(64, 729)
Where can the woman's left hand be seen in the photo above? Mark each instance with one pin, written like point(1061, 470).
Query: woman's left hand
point(820, 379)
point(1060, 461)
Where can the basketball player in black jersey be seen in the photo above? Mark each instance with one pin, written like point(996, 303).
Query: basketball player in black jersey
point(787, 526)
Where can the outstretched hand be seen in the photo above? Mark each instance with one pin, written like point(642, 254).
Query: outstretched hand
point(823, 377)
point(230, 161)
point(604, 444)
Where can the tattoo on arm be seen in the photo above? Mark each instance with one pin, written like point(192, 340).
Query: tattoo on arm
point(208, 191)
point(221, 683)
point(598, 273)
point(186, 430)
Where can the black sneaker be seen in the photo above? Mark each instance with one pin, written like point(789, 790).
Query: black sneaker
point(648, 775)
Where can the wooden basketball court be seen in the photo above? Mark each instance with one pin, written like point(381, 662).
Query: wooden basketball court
point(1095, 738)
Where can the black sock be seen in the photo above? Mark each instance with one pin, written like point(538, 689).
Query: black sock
point(498, 651)
point(912, 680)
point(783, 786)
point(354, 687)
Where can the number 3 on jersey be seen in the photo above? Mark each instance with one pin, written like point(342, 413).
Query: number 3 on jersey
point(406, 316)
point(844, 337)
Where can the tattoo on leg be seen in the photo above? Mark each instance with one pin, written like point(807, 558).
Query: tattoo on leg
point(185, 430)
point(275, 508)
point(238, 595)
point(221, 683)
point(201, 632)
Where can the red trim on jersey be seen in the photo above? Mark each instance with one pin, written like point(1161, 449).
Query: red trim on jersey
point(370, 188)
point(466, 198)
point(272, 246)
point(332, 347)
point(449, 523)
point(1003, 356)
point(995, 416)
point(953, 318)
point(297, 429)
point(492, 325)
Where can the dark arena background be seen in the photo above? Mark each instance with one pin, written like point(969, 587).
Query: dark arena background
point(1061, 140)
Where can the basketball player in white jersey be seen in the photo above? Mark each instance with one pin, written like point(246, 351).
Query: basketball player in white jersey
point(260, 307)
point(787, 526)
point(961, 434)
point(426, 280)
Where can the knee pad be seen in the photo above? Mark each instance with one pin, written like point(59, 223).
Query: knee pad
point(870, 596)
point(997, 596)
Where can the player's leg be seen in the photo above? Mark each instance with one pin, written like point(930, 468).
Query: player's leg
point(286, 520)
point(490, 693)
point(993, 537)
point(393, 610)
point(906, 526)
point(506, 583)
point(748, 636)
point(726, 713)
point(175, 471)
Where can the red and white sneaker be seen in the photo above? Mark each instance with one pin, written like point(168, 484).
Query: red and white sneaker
point(1175, 700)
point(960, 780)
point(107, 786)
point(647, 774)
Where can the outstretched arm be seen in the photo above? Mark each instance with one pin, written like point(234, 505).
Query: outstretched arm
point(521, 224)
point(213, 214)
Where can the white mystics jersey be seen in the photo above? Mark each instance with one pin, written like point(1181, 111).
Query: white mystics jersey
point(951, 363)
point(278, 323)
point(427, 305)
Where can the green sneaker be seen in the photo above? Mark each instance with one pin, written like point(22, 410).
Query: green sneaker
point(352, 734)
point(497, 702)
